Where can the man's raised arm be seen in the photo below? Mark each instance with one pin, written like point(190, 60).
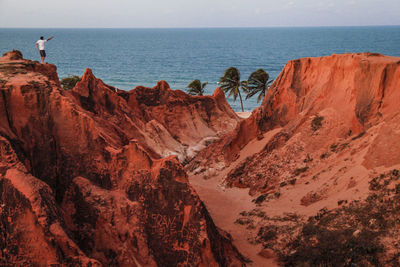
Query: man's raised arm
point(51, 37)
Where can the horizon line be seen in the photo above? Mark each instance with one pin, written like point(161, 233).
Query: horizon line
point(211, 27)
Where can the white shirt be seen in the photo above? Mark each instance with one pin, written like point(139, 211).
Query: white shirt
point(40, 43)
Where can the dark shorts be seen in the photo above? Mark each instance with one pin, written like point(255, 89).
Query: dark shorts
point(42, 53)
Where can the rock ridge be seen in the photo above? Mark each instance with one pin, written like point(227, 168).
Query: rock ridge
point(320, 159)
point(91, 176)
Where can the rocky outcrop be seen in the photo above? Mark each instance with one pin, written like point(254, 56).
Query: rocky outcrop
point(192, 122)
point(31, 223)
point(85, 175)
point(311, 155)
point(349, 94)
point(164, 121)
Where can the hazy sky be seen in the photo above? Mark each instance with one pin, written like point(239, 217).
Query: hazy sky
point(199, 13)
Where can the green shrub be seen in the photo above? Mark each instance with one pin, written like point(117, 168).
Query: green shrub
point(244, 221)
point(397, 189)
point(325, 155)
point(69, 82)
point(260, 198)
point(243, 213)
point(257, 213)
point(316, 123)
point(267, 233)
point(299, 171)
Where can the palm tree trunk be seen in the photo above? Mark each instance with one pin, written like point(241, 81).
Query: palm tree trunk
point(241, 102)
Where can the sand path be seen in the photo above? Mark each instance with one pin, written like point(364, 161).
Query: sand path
point(225, 204)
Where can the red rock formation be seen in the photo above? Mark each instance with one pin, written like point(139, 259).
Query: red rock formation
point(351, 94)
point(165, 121)
point(357, 90)
point(82, 177)
point(189, 121)
point(326, 132)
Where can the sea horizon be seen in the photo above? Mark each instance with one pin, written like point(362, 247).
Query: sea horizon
point(216, 27)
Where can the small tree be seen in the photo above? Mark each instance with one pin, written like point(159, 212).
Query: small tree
point(69, 82)
point(195, 87)
point(230, 82)
point(258, 82)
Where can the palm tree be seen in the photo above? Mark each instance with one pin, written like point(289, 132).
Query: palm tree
point(230, 82)
point(258, 82)
point(195, 87)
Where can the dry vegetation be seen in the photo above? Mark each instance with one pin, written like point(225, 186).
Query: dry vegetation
point(359, 233)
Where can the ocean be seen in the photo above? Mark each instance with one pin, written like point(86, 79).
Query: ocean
point(126, 58)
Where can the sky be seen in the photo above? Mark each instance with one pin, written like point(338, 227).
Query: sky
point(199, 13)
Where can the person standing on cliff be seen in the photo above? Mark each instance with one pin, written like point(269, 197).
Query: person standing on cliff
point(40, 47)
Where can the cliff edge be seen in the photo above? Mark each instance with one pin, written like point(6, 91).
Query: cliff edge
point(91, 176)
point(320, 158)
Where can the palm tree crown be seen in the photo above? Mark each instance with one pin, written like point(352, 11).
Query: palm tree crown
point(230, 82)
point(195, 87)
point(258, 82)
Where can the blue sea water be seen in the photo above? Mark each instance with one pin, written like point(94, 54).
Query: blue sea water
point(126, 58)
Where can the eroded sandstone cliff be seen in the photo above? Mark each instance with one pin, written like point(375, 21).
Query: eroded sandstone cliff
point(319, 157)
point(92, 176)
